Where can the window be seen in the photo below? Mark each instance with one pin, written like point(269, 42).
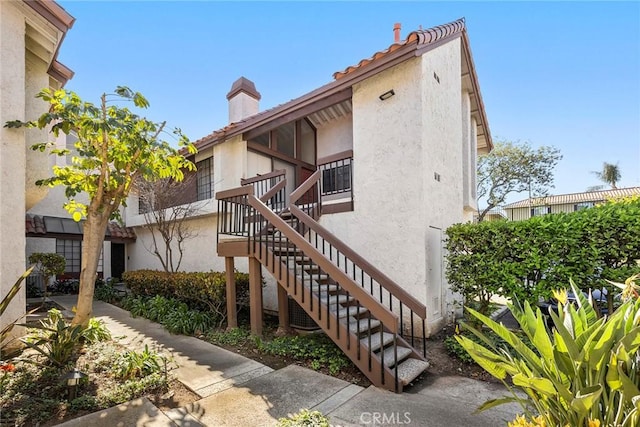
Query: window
point(336, 179)
point(71, 250)
point(285, 139)
point(294, 142)
point(145, 203)
point(583, 205)
point(205, 179)
point(540, 210)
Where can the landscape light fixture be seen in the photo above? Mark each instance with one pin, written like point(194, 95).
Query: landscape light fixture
point(388, 94)
point(73, 378)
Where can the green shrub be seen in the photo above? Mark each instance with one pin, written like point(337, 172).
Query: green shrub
point(304, 418)
point(528, 259)
point(134, 364)
point(202, 291)
point(95, 331)
point(105, 292)
point(317, 349)
point(173, 314)
point(586, 369)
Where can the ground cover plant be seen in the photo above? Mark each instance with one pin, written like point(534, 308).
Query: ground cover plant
point(33, 390)
point(586, 370)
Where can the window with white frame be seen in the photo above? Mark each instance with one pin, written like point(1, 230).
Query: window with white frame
point(204, 177)
point(540, 210)
point(583, 205)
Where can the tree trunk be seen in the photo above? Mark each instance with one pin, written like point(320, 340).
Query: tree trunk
point(94, 229)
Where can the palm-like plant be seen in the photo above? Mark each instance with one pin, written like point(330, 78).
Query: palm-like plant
point(610, 174)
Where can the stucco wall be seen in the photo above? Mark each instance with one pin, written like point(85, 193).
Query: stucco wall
point(335, 136)
point(442, 134)
point(387, 224)
point(12, 156)
point(199, 255)
point(408, 174)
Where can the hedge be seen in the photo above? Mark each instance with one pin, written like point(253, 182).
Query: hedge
point(531, 258)
point(204, 291)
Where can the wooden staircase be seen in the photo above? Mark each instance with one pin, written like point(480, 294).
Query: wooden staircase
point(366, 314)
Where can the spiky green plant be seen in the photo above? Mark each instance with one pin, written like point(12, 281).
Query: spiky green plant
point(6, 300)
point(584, 369)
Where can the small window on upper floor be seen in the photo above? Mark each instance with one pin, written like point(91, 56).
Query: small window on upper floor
point(540, 210)
point(583, 205)
point(205, 179)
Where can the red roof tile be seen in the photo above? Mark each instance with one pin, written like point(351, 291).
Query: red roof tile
point(421, 37)
point(35, 226)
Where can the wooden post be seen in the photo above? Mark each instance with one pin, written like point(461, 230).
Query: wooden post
point(232, 315)
point(255, 296)
point(283, 310)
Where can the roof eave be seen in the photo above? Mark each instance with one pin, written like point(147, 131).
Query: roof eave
point(476, 88)
point(399, 55)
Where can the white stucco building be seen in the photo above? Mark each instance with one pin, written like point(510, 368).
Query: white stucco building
point(31, 33)
point(398, 136)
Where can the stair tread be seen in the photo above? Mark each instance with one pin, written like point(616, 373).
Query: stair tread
point(410, 369)
point(323, 288)
point(351, 310)
point(333, 299)
point(389, 359)
point(364, 325)
point(377, 341)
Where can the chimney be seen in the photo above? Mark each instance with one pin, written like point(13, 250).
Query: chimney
point(396, 32)
point(243, 100)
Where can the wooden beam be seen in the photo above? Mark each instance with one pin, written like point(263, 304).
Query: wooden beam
point(232, 315)
point(255, 296)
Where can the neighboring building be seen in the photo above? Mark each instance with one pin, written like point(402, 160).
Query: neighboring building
point(50, 228)
point(537, 206)
point(31, 33)
point(389, 151)
point(496, 214)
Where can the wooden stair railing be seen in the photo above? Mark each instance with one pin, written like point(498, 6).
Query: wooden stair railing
point(305, 259)
point(368, 276)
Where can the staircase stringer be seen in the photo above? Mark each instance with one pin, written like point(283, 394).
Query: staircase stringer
point(369, 363)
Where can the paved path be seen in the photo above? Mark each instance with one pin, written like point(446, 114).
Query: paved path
point(237, 391)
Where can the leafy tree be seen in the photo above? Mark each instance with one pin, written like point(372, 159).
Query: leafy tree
point(610, 174)
point(115, 147)
point(166, 218)
point(513, 168)
point(49, 264)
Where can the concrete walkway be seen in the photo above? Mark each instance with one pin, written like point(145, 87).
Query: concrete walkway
point(237, 391)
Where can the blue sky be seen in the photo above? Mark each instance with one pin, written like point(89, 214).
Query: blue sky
point(565, 74)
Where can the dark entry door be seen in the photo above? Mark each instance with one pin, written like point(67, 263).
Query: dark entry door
point(117, 260)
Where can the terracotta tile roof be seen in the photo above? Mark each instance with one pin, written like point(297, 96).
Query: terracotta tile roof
point(416, 40)
point(587, 196)
point(421, 37)
point(35, 226)
point(118, 232)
